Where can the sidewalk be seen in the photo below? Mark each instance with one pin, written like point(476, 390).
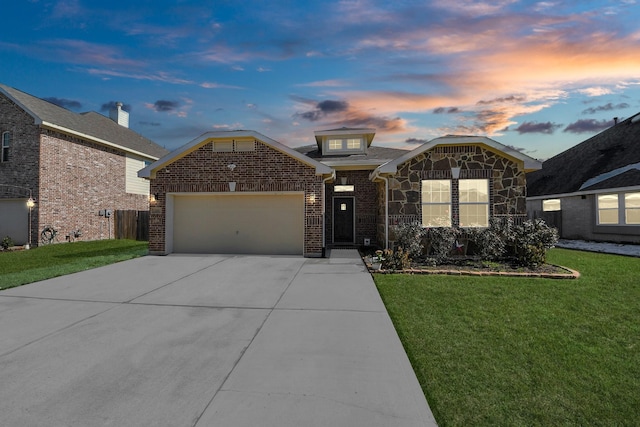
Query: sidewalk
point(603, 247)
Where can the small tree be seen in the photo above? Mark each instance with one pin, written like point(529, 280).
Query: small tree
point(6, 243)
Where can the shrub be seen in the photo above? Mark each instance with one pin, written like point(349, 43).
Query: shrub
point(442, 240)
point(490, 242)
point(531, 241)
point(410, 237)
point(395, 260)
point(6, 243)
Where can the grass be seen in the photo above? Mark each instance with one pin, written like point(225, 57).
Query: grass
point(504, 351)
point(21, 267)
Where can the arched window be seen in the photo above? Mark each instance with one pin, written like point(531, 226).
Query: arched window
point(6, 142)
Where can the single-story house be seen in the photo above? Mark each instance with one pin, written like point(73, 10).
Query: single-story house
point(243, 192)
point(592, 190)
point(66, 170)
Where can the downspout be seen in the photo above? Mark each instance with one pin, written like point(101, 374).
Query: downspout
point(376, 175)
point(324, 211)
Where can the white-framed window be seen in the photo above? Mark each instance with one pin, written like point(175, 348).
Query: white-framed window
point(355, 144)
point(474, 202)
point(4, 150)
point(608, 212)
point(632, 208)
point(550, 205)
point(436, 203)
point(343, 188)
point(618, 208)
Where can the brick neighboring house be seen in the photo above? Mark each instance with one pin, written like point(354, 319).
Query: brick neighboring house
point(592, 190)
point(242, 192)
point(75, 166)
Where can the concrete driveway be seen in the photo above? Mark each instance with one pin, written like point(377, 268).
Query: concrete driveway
point(206, 340)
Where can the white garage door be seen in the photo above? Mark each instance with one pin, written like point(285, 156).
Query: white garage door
point(239, 224)
point(14, 220)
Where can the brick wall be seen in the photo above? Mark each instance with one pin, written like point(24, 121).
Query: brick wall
point(262, 170)
point(22, 168)
point(78, 179)
point(366, 204)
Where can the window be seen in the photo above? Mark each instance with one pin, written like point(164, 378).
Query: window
point(6, 141)
point(436, 203)
point(632, 208)
point(345, 144)
point(551, 205)
point(474, 202)
point(608, 209)
point(343, 188)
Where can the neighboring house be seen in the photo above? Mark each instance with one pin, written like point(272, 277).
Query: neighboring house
point(592, 190)
point(242, 192)
point(78, 168)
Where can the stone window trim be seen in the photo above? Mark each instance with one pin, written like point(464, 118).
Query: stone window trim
point(5, 147)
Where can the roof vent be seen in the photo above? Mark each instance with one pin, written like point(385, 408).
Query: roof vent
point(119, 116)
point(615, 121)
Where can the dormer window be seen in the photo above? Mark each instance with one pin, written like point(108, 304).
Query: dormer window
point(345, 145)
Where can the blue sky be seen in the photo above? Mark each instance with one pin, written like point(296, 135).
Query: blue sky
point(540, 76)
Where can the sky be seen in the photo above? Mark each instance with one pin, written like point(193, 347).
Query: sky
point(539, 76)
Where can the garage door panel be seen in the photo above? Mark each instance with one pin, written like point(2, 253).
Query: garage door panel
point(247, 224)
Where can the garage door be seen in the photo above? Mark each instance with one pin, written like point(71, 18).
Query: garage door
point(14, 220)
point(239, 224)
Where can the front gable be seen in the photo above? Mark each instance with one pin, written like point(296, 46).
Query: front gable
point(258, 152)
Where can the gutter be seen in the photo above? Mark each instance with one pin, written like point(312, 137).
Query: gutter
point(375, 175)
point(324, 209)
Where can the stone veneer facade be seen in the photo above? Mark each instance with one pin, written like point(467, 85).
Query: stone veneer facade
point(507, 183)
point(71, 179)
point(263, 170)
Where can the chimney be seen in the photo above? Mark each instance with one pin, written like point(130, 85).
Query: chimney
point(119, 116)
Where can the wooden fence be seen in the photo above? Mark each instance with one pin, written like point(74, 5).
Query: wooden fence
point(130, 224)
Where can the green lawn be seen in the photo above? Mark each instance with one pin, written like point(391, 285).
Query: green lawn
point(504, 351)
point(21, 267)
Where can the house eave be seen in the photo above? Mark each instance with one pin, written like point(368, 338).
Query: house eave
point(585, 193)
point(100, 141)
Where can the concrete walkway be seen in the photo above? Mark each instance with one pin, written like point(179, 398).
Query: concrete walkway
point(206, 340)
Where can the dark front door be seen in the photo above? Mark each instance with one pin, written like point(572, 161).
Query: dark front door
point(343, 220)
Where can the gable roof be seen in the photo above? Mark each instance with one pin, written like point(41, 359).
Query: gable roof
point(529, 162)
point(91, 125)
point(610, 159)
point(149, 171)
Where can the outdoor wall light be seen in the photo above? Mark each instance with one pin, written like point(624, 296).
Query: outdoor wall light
point(455, 173)
point(153, 197)
point(31, 202)
point(312, 198)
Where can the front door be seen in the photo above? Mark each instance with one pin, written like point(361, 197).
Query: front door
point(343, 220)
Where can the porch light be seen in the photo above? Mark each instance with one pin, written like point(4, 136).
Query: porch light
point(153, 197)
point(312, 198)
point(31, 203)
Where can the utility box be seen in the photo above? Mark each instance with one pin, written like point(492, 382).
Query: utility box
point(367, 241)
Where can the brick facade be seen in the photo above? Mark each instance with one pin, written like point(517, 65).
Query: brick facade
point(72, 179)
point(366, 205)
point(263, 170)
point(507, 183)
